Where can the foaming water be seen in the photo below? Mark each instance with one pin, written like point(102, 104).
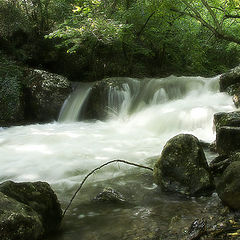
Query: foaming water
point(145, 115)
point(53, 152)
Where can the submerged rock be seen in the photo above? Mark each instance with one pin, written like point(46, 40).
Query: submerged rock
point(109, 195)
point(228, 140)
point(182, 167)
point(228, 185)
point(38, 202)
point(45, 94)
point(229, 78)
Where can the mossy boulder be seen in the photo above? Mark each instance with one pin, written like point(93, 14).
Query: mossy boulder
point(231, 119)
point(18, 221)
point(45, 94)
point(228, 140)
point(182, 167)
point(39, 198)
point(228, 185)
point(229, 78)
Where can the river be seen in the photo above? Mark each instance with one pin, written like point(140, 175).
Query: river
point(141, 118)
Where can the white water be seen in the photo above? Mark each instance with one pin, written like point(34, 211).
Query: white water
point(62, 153)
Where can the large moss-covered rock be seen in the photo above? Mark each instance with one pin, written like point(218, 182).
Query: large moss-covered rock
point(228, 140)
point(45, 94)
point(228, 185)
point(182, 167)
point(39, 197)
point(18, 221)
point(231, 119)
point(229, 78)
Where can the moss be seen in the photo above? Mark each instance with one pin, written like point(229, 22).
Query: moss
point(11, 93)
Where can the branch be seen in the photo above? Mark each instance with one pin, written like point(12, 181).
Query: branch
point(197, 16)
point(231, 16)
point(145, 24)
point(96, 169)
point(212, 15)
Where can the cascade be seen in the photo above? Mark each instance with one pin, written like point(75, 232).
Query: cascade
point(142, 114)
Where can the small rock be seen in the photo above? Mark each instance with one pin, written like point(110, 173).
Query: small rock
point(109, 195)
point(197, 229)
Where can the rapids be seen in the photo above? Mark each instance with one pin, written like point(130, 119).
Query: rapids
point(142, 116)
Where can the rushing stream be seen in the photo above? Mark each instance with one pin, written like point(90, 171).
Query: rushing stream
point(142, 116)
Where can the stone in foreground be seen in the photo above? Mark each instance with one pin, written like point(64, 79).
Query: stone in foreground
point(32, 209)
point(18, 221)
point(228, 186)
point(182, 167)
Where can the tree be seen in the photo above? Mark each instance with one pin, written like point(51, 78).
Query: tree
point(219, 17)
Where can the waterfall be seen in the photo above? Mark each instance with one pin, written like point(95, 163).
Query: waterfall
point(133, 95)
point(141, 116)
point(71, 109)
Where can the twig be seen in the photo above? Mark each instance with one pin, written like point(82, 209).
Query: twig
point(98, 168)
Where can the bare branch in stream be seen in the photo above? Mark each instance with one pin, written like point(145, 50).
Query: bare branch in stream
point(96, 169)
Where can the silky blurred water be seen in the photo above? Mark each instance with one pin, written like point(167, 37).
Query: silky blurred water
point(142, 117)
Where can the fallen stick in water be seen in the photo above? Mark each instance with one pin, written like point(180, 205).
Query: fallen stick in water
point(96, 169)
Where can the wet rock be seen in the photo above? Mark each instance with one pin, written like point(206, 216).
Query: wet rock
point(204, 144)
point(40, 198)
point(229, 78)
point(197, 229)
point(109, 195)
point(97, 105)
point(18, 221)
point(228, 140)
point(45, 94)
point(219, 164)
point(182, 167)
point(234, 90)
point(231, 119)
point(228, 185)
point(213, 147)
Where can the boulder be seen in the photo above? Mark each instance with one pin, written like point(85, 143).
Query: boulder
point(18, 221)
point(228, 140)
point(228, 186)
point(231, 119)
point(39, 198)
point(182, 167)
point(98, 104)
point(45, 94)
point(229, 78)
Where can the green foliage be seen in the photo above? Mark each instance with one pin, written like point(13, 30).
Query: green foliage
point(113, 37)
